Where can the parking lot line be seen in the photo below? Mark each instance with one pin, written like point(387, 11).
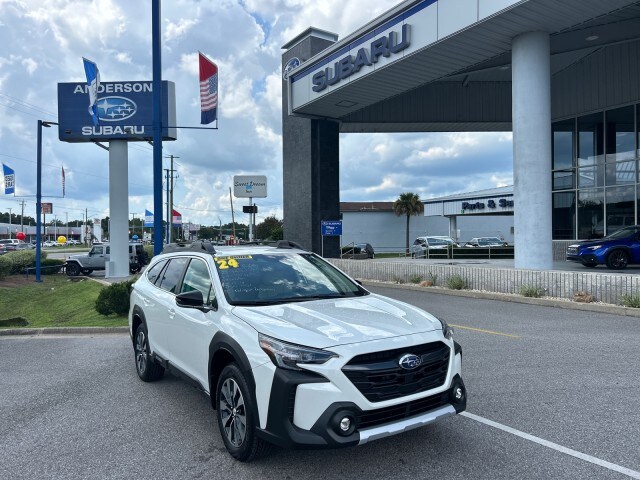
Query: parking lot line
point(491, 332)
point(554, 446)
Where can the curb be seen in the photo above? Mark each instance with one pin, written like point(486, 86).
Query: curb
point(505, 297)
point(34, 332)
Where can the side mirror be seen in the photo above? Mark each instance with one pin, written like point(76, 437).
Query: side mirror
point(193, 299)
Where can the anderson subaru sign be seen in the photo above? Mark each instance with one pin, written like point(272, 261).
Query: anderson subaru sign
point(125, 112)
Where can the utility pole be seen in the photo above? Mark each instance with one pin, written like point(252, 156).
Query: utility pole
point(233, 218)
point(170, 198)
point(133, 227)
point(9, 221)
point(22, 217)
point(66, 221)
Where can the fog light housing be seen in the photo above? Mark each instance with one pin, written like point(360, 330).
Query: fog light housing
point(343, 423)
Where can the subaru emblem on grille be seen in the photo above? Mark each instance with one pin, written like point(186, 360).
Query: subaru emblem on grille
point(410, 361)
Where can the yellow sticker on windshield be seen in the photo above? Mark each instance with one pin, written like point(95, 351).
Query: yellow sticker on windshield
point(230, 262)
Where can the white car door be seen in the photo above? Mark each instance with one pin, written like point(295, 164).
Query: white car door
point(194, 328)
point(162, 335)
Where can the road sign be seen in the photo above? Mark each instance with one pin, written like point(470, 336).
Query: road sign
point(331, 228)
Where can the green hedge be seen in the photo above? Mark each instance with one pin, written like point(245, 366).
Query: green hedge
point(13, 263)
point(114, 299)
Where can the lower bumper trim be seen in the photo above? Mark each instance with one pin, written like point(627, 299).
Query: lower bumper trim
point(375, 433)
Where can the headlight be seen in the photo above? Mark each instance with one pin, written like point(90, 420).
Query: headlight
point(447, 331)
point(594, 247)
point(288, 355)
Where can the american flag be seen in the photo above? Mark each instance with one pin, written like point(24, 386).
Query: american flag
point(208, 90)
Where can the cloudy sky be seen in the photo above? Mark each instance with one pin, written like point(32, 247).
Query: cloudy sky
point(43, 42)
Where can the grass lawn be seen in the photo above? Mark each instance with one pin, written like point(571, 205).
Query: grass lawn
point(55, 302)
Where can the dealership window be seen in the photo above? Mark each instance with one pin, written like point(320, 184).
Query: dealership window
point(564, 216)
point(591, 139)
point(620, 173)
point(591, 213)
point(563, 134)
point(591, 176)
point(563, 180)
point(620, 207)
point(620, 134)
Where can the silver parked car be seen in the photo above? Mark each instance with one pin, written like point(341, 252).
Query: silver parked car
point(422, 244)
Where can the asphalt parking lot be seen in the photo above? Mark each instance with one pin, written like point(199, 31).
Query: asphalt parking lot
point(560, 386)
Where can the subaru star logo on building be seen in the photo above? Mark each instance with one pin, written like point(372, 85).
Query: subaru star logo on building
point(410, 361)
point(291, 64)
point(115, 109)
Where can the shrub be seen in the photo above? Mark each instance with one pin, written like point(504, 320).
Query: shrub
point(531, 291)
point(48, 265)
point(114, 299)
point(456, 282)
point(5, 266)
point(415, 278)
point(397, 279)
point(432, 277)
point(631, 301)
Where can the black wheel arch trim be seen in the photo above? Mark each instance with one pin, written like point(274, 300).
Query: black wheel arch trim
point(224, 342)
point(137, 311)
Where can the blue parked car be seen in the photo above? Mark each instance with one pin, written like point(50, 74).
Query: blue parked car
point(615, 251)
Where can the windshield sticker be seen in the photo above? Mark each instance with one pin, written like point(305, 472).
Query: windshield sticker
point(230, 262)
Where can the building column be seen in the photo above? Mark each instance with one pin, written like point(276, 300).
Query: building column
point(453, 227)
point(118, 265)
point(531, 117)
point(310, 158)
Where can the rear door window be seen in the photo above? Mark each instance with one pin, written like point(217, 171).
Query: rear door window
point(154, 272)
point(173, 273)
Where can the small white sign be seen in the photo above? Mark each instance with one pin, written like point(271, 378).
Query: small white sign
point(250, 186)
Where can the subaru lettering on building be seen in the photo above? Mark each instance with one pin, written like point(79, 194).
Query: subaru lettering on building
point(381, 47)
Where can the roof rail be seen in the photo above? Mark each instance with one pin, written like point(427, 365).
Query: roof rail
point(198, 246)
point(288, 244)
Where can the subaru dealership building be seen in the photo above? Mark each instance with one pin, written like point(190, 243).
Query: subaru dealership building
point(562, 75)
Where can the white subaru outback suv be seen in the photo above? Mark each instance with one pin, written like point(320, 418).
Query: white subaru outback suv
point(291, 350)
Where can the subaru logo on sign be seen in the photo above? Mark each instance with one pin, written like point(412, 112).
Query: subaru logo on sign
point(291, 64)
point(115, 109)
point(410, 361)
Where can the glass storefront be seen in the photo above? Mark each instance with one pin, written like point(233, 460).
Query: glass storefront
point(595, 173)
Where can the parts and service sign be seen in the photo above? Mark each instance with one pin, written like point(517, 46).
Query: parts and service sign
point(125, 112)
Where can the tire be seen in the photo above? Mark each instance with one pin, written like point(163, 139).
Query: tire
point(235, 414)
point(147, 369)
point(133, 270)
point(617, 260)
point(73, 269)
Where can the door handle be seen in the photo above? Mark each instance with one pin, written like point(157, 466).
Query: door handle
point(172, 313)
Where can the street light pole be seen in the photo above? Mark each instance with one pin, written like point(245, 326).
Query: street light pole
point(39, 195)
point(9, 222)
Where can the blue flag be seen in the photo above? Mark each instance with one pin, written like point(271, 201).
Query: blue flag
point(93, 81)
point(148, 218)
point(9, 180)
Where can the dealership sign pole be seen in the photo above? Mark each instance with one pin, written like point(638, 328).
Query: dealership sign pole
point(250, 186)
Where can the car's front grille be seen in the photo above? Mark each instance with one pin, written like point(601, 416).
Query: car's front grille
point(380, 416)
point(379, 376)
point(572, 250)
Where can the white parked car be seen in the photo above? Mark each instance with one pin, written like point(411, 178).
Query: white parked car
point(292, 351)
point(422, 244)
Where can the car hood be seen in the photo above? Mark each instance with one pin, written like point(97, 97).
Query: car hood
point(327, 323)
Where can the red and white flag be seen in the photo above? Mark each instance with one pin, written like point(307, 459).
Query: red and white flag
point(177, 218)
point(208, 90)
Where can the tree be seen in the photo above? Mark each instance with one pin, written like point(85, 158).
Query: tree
point(408, 204)
point(269, 229)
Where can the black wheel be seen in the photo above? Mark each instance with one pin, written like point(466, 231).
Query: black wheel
point(235, 415)
point(413, 255)
point(147, 369)
point(134, 269)
point(73, 269)
point(87, 271)
point(617, 260)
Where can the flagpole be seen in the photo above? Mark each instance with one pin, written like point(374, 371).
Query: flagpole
point(157, 126)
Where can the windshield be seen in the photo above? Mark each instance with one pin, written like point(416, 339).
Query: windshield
point(437, 241)
point(268, 279)
point(623, 233)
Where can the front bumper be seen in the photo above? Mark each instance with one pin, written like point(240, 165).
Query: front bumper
point(305, 410)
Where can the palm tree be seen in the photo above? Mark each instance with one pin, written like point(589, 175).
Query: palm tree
point(408, 204)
